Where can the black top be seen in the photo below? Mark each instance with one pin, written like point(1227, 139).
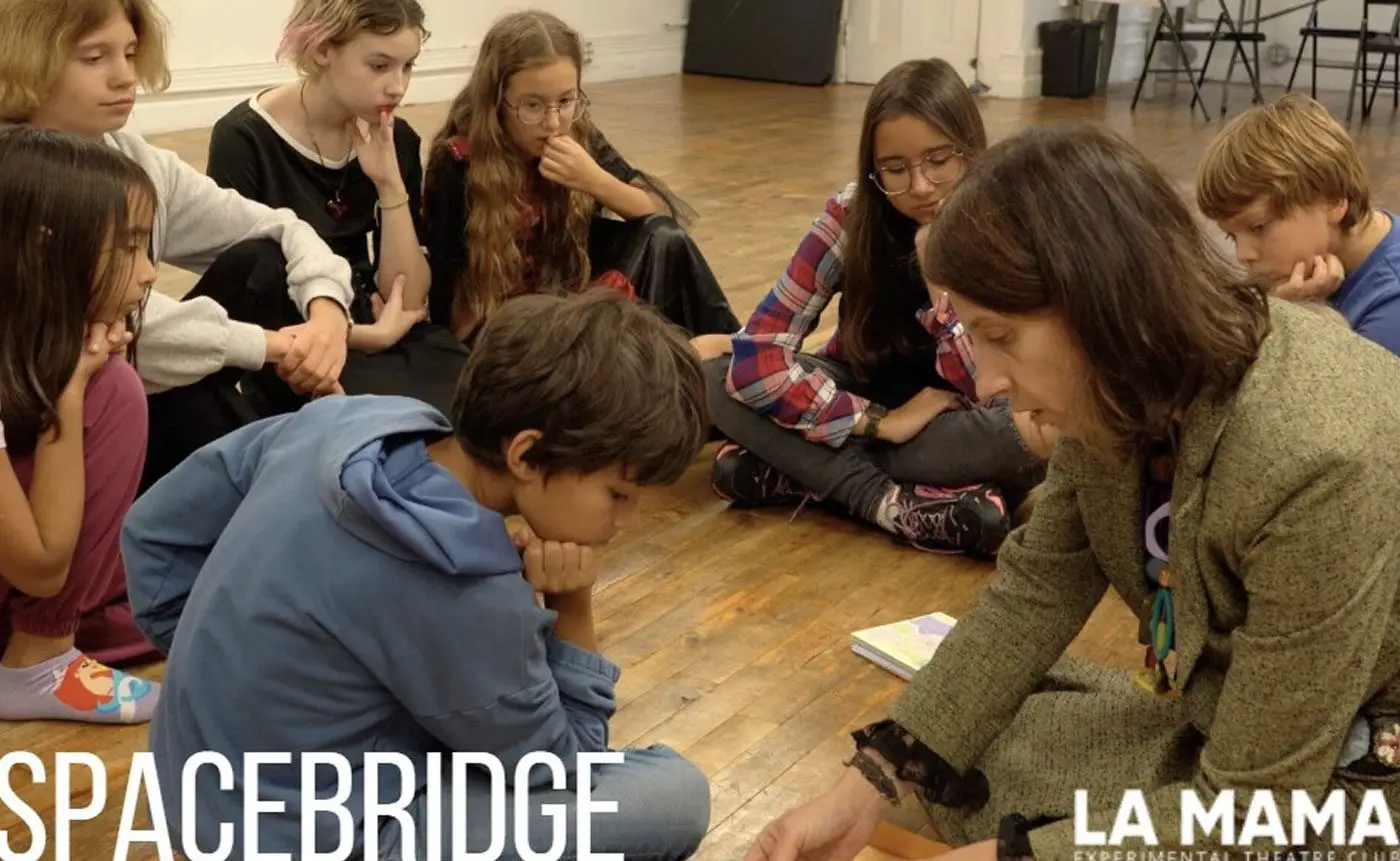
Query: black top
point(445, 213)
point(251, 154)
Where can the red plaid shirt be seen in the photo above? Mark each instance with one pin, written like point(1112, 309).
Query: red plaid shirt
point(764, 373)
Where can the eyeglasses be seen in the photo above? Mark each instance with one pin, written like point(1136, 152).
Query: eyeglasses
point(938, 167)
point(532, 112)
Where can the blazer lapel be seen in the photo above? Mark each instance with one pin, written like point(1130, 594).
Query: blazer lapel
point(1200, 435)
point(1111, 507)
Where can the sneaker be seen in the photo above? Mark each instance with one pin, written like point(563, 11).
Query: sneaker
point(743, 479)
point(971, 520)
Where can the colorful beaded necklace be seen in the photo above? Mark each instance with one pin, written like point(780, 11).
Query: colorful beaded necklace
point(1157, 630)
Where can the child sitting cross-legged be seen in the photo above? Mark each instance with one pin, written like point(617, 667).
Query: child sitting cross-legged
point(342, 580)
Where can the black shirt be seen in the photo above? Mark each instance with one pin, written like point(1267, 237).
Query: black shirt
point(251, 154)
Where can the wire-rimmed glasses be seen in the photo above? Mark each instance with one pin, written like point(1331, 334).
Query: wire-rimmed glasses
point(939, 166)
point(532, 112)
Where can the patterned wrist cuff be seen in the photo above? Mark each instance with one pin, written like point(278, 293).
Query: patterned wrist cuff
point(938, 781)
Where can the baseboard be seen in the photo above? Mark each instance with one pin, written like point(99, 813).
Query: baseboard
point(198, 97)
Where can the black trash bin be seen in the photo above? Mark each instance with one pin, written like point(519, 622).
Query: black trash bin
point(1069, 59)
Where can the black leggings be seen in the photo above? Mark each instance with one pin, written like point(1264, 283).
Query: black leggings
point(250, 281)
point(665, 268)
point(958, 448)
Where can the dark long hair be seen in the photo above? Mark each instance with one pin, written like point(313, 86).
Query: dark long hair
point(881, 289)
point(66, 206)
point(1073, 221)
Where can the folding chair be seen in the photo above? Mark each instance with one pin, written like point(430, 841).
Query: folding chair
point(1169, 27)
point(1387, 44)
point(1313, 32)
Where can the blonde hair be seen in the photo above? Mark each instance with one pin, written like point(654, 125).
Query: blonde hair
point(1291, 153)
point(315, 24)
point(38, 37)
point(495, 191)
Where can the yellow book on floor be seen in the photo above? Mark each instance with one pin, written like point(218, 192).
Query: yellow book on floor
point(903, 647)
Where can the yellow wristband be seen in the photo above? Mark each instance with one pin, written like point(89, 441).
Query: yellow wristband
point(385, 207)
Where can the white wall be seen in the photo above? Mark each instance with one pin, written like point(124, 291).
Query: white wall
point(223, 52)
point(1008, 46)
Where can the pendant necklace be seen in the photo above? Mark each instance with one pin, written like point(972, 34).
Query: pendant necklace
point(335, 207)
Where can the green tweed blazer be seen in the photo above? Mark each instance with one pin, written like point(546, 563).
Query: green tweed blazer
point(1284, 551)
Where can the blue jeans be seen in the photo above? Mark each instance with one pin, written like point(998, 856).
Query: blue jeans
point(662, 814)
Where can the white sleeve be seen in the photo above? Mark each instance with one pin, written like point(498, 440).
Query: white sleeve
point(203, 219)
point(179, 343)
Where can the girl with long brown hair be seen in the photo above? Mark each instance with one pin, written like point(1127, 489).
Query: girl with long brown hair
point(516, 184)
point(883, 421)
point(75, 223)
point(1228, 466)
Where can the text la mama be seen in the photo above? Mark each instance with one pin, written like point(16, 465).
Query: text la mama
point(1262, 822)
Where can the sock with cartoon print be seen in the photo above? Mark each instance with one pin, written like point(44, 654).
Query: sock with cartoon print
point(74, 687)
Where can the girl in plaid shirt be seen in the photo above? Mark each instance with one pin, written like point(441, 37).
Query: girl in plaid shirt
point(883, 420)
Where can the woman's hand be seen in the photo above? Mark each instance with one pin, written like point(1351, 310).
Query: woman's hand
point(836, 826)
point(567, 163)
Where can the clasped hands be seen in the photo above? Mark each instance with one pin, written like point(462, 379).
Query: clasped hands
point(311, 355)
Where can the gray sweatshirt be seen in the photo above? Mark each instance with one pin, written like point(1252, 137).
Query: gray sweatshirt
point(196, 220)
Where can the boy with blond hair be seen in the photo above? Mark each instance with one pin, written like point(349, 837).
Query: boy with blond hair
point(1285, 183)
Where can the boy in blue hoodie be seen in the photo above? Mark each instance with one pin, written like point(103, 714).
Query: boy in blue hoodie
point(1285, 183)
point(341, 580)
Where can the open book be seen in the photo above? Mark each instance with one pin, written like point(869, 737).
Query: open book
point(905, 646)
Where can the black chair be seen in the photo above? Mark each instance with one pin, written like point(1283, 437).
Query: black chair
point(1386, 43)
point(1169, 27)
point(1311, 33)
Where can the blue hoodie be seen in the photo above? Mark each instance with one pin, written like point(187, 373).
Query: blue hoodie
point(320, 584)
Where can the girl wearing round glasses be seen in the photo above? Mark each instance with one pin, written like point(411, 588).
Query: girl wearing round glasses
point(883, 421)
point(515, 185)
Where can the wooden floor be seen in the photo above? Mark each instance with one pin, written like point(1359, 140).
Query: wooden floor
point(732, 627)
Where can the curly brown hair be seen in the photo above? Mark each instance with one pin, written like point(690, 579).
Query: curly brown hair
point(495, 191)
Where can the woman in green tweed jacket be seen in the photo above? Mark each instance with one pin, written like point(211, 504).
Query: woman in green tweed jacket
point(1229, 465)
